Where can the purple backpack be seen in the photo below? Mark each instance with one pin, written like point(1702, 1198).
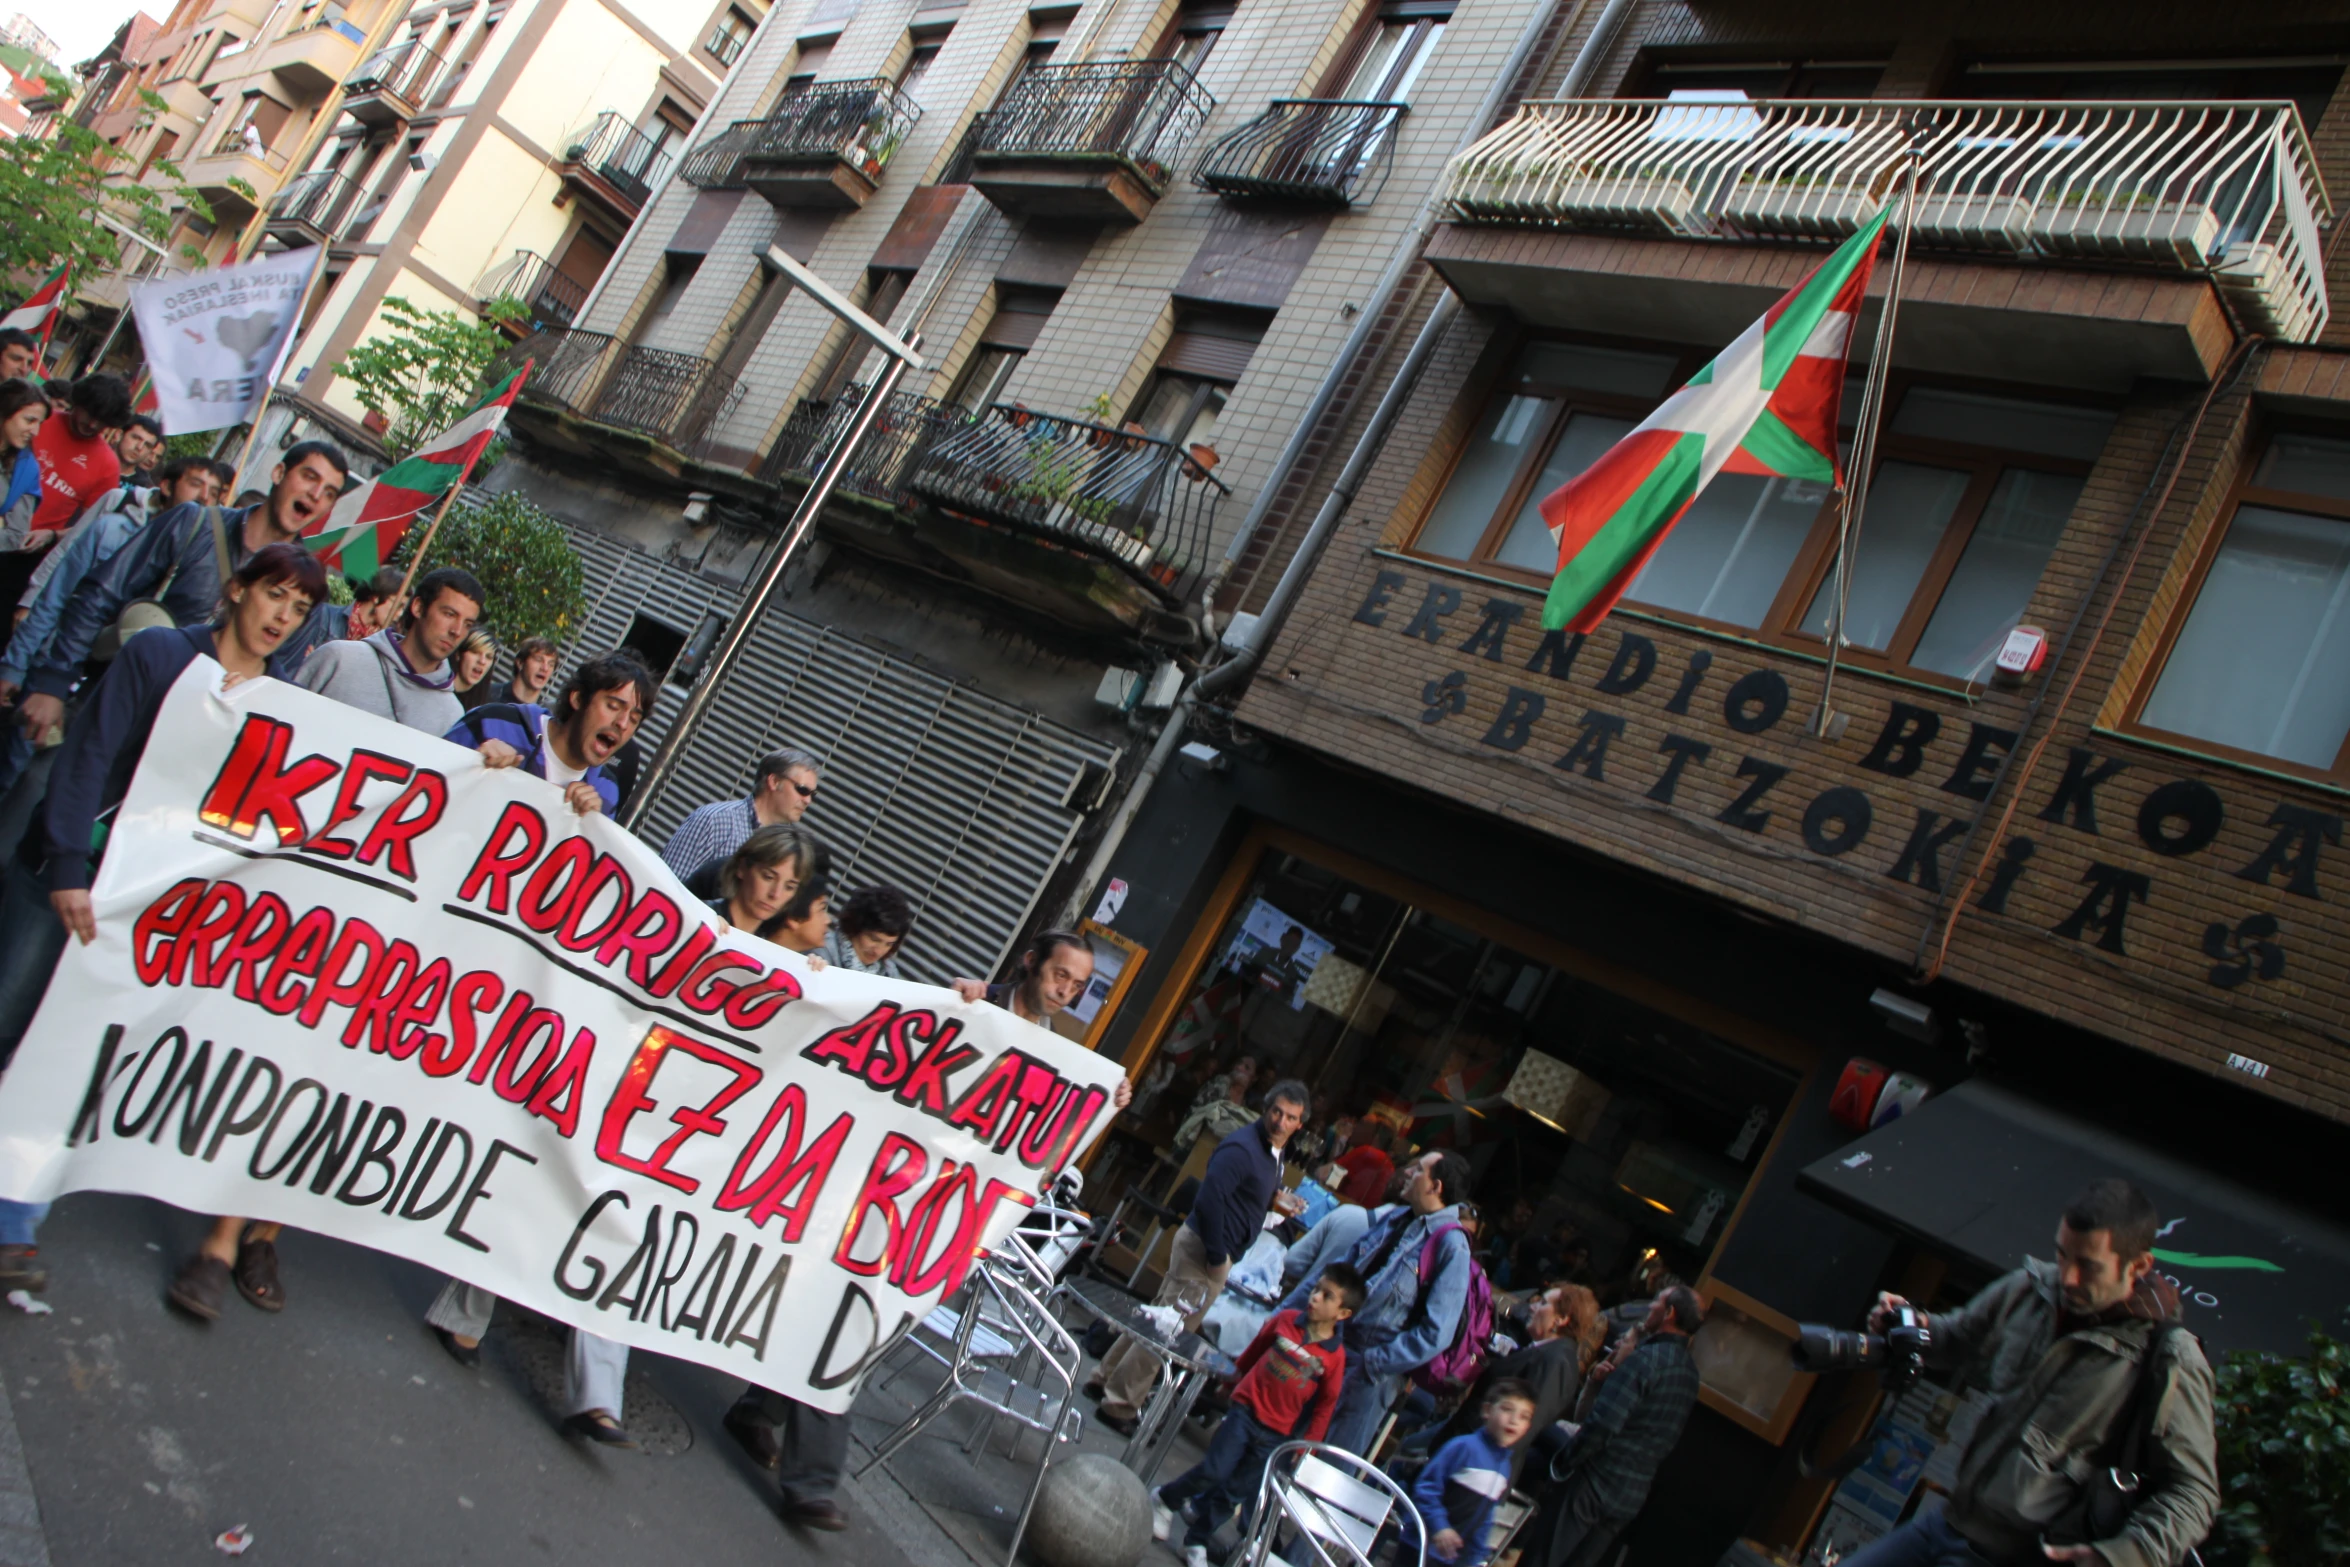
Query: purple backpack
point(1459, 1364)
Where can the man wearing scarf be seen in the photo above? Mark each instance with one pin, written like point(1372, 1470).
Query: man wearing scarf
point(2084, 1355)
point(404, 674)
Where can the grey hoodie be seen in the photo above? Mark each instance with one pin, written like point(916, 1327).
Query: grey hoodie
point(374, 677)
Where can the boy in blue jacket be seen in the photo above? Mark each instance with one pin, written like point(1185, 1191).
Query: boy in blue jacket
point(1455, 1493)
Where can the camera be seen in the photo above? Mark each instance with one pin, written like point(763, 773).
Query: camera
point(1898, 1355)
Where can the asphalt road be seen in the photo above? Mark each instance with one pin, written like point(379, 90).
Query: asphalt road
point(339, 1432)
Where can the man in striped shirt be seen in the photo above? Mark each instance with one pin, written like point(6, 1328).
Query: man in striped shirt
point(786, 786)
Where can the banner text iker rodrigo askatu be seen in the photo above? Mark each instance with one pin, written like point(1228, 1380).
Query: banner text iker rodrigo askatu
point(349, 979)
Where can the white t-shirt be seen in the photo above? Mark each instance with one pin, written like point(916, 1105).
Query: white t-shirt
point(558, 773)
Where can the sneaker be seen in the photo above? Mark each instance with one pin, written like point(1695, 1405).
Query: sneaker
point(1195, 1556)
point(1162, 1518)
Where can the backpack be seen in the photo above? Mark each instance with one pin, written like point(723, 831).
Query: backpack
point(1457, 1367)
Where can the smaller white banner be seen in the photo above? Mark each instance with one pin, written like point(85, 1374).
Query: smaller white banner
point(213, 339)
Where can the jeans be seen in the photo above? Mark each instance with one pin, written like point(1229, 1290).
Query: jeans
point(32, 939)
point(1922, 1542)
point(1227, 1477)
point(1362, 1403)
point(594, 1369)
point(815, 1443)
point(1127, 1370)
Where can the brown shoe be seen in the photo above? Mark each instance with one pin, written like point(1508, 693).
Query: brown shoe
point(257, 1278)
point(201, 1286)
point(822, 1514)
point(755, 1436)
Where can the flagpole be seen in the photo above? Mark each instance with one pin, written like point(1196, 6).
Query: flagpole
point(1826, 722)
point(457, 486)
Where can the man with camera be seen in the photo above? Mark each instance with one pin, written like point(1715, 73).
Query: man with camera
point(2099, 1447)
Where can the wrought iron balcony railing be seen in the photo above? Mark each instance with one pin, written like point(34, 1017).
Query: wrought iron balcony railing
point(2226, 190)
point(403, 71)
point(1146, 504)
point(717, 164)
point(530, 280)
point(898, 440)
point(676, 399)
point(1139, 113)
point(320, 201)
point(861, 124)
point(1316, 151)
point(621, 156)
point(232, 144)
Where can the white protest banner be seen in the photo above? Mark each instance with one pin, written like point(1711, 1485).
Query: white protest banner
point(348, 979)
point(213, 339)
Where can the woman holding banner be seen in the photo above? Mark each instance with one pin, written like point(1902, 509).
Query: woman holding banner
point(759, 881)
point(48, 885)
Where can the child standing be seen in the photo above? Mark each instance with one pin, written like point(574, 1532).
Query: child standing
point(1455, 1493)
point(1290, 1377)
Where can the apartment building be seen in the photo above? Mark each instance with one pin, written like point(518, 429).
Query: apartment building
point(1621, 917)
point(1132, 239)
point(491, 151)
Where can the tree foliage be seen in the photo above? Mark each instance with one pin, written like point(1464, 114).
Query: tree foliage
point(422, 369)
point(54, 189)
point(2284, 1459)
point(524, 560)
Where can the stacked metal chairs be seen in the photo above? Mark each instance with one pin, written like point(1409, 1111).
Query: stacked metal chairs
point(1330, 1503)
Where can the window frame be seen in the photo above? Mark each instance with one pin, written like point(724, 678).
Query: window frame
point(1782, 624)
point(2241, 493)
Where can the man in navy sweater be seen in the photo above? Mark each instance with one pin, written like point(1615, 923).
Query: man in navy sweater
point(1242, 1175)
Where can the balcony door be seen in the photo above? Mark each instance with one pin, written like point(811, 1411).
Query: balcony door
point(1388, 58)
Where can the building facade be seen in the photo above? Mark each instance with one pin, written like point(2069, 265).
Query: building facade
point(1132, 240)
point(1626, 916)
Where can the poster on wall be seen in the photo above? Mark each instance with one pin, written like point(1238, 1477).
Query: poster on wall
point(1283, 951)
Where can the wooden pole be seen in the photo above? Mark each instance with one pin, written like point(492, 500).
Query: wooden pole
point(416, 561)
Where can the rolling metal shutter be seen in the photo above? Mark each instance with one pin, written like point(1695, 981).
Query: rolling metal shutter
point(959, 800)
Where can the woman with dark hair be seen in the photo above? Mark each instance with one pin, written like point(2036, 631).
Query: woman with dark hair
point(48, 885)
point(870, 928)
point(24, 407)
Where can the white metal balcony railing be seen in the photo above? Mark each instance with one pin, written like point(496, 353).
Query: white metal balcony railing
point(2230, 190)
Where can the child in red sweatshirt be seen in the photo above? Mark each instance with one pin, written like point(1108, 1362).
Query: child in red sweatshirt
point(1290, 1378)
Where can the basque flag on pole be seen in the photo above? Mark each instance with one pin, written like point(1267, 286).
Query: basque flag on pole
point(1766, 405)
point(368, 522)
point(39, 312)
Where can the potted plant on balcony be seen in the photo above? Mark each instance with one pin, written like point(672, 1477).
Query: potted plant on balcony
point(1200, 463)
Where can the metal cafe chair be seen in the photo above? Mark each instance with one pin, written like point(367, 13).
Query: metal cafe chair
point(1510, 1516)
point(1047, 1236)
point(1331, 1502)
point(1035, 1390)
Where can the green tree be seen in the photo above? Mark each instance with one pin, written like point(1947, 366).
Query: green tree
point(424, 369)
point(2284, 1459)
point(55, 188)
point(524, 560)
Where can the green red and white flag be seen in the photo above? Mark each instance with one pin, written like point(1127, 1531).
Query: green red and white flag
point(368, 522)
point(143, 398)
point(39, 311)
point(1765, 405)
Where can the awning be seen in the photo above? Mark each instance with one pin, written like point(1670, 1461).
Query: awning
point(1983, 1174)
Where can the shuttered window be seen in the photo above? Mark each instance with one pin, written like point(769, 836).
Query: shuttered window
point(966, 803)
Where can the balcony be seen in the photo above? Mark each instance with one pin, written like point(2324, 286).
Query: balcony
point(1095, 141)
point(826, 145)
point(234, 157)
point(312, 209)
point(1143, 506)
point(2171, 201)
point(1312, 152)
point(717, 164)
point(391, 86)
point(531, 281)
point(312, 59)
point(596, 397)
point(899, 439)
point(613, 164)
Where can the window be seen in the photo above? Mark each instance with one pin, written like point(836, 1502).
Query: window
point(2260, 660)
point(751, 326)
point(730, 37)
point(1189, 386)
point(917, 66)
point(1765, 79)
point(677, 271)
point(1192, 37)
point(885, 290)
point(1020, 315)
point(465, 63)
point(1388, 58)
point(1970, 495)
point(161, 152)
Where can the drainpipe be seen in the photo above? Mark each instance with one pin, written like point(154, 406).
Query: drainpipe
point(1260, 635)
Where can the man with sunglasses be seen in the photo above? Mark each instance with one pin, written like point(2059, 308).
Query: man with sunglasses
point(787, 782)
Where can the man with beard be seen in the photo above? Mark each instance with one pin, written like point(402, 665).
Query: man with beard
point(404, 675)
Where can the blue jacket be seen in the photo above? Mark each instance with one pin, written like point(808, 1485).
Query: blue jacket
point(523, 725)
point(85, 549)
point(1241, 1177)
point(1457, 1491)
point(176, 548)
point(102, 747)
point(1395, 1331)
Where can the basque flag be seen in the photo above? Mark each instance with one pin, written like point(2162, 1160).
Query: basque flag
point(1765, 405)
point(39, 312)
point(368, 522)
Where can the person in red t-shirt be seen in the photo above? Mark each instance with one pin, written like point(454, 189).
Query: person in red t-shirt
point(1368, 1168)
point(1290, 1377)
point(78, 462)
